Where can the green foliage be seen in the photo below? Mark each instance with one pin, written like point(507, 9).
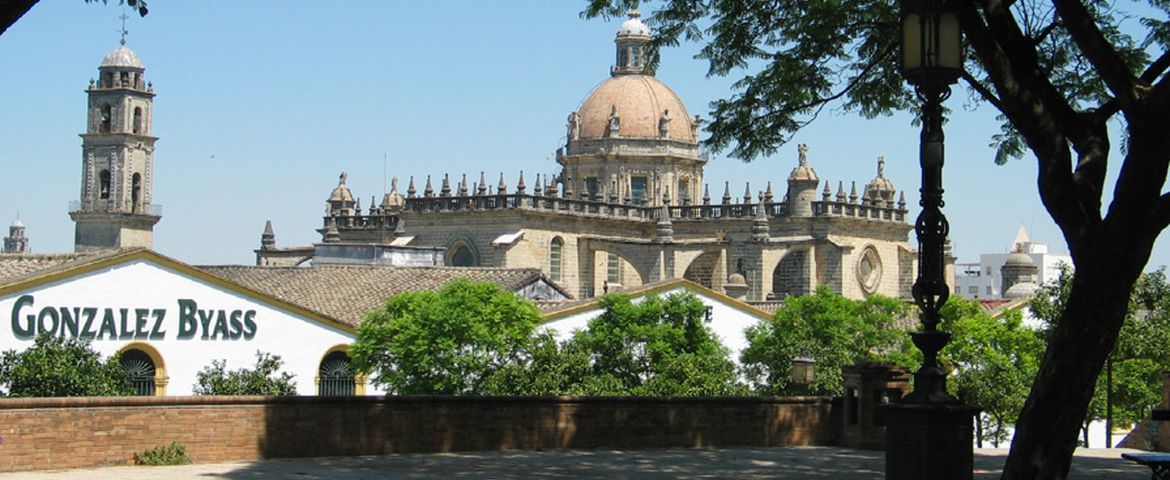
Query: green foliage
point(265, 379)
point(173, 454)
point(835, 331)
point(1140, 353)
point(993, 361)
point(655, 347)
point(444, 342)
point(61, 367)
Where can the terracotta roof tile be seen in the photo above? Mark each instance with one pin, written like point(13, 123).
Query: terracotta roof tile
point(347, 292)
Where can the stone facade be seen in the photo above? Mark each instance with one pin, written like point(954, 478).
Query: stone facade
point(630, 206)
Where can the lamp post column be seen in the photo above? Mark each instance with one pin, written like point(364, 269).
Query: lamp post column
point(929, 432)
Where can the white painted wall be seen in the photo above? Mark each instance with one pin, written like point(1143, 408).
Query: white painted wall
point(301, 342)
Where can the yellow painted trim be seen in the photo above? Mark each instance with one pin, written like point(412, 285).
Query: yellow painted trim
point(105, 262)
point(160, 367)
point(659, 288)
point(359, 381)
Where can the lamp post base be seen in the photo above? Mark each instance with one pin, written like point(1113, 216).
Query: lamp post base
point(929, 441)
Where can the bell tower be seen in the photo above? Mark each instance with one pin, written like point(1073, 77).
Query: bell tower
point(117, 158)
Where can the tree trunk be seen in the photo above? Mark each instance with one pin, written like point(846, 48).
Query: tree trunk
point(1047, 429)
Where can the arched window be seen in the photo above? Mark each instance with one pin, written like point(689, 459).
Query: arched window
point(461, 255)
point(336, 375)
point(106, 118)
point(137, 120)
point(135, 192)
point(555, 252)
point(140, 367)
point(104, 184)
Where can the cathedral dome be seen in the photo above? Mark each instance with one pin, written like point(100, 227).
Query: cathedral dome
point(642, 103)
point(121, 57)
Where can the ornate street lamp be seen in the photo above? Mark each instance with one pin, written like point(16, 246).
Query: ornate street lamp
point(928, 433)
point(803, 371)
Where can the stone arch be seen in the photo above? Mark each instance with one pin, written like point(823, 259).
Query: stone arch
point(336, 374)
point(790, 277)
point(144, 360)
point(615, 270)
point(461, 253)
point(702, 269)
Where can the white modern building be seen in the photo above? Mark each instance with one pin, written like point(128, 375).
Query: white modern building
point(985, 280)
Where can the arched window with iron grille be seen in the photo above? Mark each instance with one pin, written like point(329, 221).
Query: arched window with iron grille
point(140, 367)
point(336, 375)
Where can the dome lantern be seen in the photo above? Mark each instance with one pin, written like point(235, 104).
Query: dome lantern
point(632, 37)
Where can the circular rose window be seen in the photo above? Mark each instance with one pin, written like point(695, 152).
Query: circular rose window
point(869, 270)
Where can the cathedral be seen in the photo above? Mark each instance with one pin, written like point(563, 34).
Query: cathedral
point(630, 206)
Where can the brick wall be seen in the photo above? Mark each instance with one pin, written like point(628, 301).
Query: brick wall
point(83, 432)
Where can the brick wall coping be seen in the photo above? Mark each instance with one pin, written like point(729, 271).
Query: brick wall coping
point(74, 402)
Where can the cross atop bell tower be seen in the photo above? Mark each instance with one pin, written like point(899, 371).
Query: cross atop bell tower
point(117, 157)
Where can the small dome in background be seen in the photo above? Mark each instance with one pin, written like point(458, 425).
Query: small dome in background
point(1019, 259)
point(121, 57)
point(17, 223)
point(1021, 290)
point(737, 280)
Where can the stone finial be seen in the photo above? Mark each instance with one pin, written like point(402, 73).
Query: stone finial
point(802, 149)
point(664, 229)
point(463, 186)
point(428, 191)
point(706, 194)
point(827, 192)
point(268, 238)
point(445, 189)
point(331, 233)
point(568, 187)
point(768, 192)
point(747, 193)
point(881, 167)
point(853, 192)
point(613, 194)
point(501, 188)
point(726, 193)
point(520, 183)
point(760, 228)
point(841, 192)
point(902, 200)
point(410, 191)
point(482, 188)
point(539, 188)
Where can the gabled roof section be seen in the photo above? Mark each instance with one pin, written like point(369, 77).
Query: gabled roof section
point(554, 312)
point(347, 292)
point(63, 268)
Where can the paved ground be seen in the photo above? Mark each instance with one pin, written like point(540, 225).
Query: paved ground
point(811, 463)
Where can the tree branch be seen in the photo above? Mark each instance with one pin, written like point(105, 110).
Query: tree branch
point(12, 10)
point(1082, 27)
point(1160, 213)
point(982, 90)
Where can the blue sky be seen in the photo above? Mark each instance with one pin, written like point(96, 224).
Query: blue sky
point(261, 104)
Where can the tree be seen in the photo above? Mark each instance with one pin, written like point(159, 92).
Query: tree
point(265, 379)
point(993, 360)
point(61, 367)
point(1058, 72)
point(12, 10)
point(1138, 357)
point(833, 330)
point(658, 346)
point(444, 342)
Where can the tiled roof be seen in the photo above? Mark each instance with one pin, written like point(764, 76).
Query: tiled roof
point(347, 292)
point(18, 266)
